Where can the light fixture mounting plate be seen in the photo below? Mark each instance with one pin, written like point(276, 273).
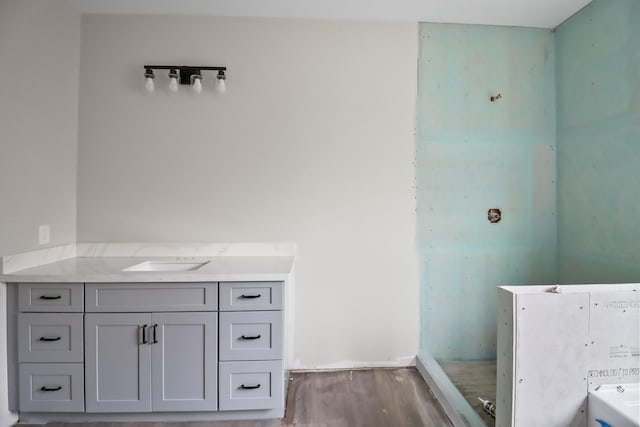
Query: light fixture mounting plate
point(186, 73)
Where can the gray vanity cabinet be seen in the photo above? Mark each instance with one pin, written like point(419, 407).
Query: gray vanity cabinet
point(142, 362)
point(105, 349)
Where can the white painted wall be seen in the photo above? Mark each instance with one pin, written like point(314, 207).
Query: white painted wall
point(40, 55)
point(313, 143)
point(40, 62)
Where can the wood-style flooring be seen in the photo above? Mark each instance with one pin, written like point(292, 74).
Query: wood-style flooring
point(474, 380)
point(358, 398)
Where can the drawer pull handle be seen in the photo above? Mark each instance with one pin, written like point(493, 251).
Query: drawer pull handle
point(155, 339)
point(45, 388)
point(250, 296)
point(49, 298)
point(244, 337)
point(144, 334)
point(47, 339)
point(249, 387)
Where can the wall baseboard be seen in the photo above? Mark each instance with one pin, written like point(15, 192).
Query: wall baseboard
point(401, 362)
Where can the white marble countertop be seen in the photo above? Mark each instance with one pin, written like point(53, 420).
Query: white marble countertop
point(108, 262)
point(110, 269)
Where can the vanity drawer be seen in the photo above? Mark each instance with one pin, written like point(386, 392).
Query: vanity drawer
point(251, 385)
point(48, 297)
point(252, 335)
point(254, 296)
point(51, 387)
point(137, 297)
point(50, 337)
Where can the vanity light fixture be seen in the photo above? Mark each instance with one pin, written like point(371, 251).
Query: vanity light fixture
point(185, 75)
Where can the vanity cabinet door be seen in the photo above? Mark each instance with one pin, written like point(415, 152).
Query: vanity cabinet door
point(118, 362)
point(184, 361)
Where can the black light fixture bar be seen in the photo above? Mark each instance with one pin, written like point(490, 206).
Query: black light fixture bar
point(185, 71)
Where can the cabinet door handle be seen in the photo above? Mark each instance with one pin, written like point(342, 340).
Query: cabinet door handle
point(155, 338)
point(50, 339)
point(48, 297)
point(45, 388)
point(144, 334)
point(256, 337)
point(250, 296)
point(249, 387)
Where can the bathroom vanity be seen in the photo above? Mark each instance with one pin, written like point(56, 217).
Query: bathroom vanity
point(93, 339)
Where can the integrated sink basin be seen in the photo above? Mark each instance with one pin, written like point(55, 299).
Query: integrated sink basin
point(166, 266)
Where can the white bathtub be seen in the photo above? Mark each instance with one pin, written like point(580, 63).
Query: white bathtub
point(615, 405)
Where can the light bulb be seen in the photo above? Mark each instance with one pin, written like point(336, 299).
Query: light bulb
point(148, 80)
point(197, 84)
point(173, 80)
point(173, 84)
point(221, 86)
point(148, 84)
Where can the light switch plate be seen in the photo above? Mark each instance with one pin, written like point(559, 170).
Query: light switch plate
point(44, 234)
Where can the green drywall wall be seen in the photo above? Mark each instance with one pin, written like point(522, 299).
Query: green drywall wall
point(473, 155)
point(598, 133)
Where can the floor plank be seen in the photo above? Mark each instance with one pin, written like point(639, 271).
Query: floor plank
point(367, 398)
point(359, 398)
